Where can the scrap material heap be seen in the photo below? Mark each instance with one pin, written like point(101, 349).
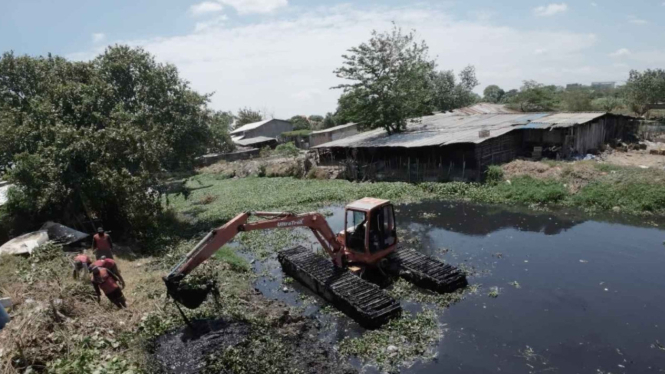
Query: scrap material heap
point(369, 241)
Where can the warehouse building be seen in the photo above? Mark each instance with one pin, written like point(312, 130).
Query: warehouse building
point(270, 128)
point(450, 146)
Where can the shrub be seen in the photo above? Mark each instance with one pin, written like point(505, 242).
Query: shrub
point(287, 150)
point(493, 175)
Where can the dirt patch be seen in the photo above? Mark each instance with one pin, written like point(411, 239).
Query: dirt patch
point(635, 158)
point(262, 167)
point(575, 175)
point(538, 170)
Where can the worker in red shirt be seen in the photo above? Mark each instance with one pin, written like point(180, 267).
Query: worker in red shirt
point(102, 244)
point(104, 280)
point(110, 264)
point(81, 264)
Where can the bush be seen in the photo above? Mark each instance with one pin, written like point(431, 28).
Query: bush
point(493, 175)
point(287, 150)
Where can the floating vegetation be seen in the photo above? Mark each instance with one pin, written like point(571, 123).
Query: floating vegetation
point(494, 292)
point(515, 284)
point(399, 343)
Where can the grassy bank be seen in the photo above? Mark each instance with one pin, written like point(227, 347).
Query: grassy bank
point(586, 185)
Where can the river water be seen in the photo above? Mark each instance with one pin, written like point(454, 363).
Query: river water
point(577, 293)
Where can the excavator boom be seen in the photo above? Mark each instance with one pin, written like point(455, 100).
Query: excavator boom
point(216, 238)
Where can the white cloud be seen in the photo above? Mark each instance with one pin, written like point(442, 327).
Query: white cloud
point(637, 21)
point(594, 4)
point(620, 53)
point(540, 51)
point(286, 63)
point(98, 37)
point(550, 9)
point(205, 8)
point(255, 6)
point(215, 22)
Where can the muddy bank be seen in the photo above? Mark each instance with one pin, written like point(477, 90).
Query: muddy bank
point(224, 346)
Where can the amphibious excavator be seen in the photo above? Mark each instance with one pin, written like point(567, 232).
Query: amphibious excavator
point(368, 242)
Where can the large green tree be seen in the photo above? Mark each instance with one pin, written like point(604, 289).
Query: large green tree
point(535, 97)
point(93, 137)
point(248, 115)
point(300, 123)
point(493, 94)
point(644, 89)
point(450, 93)
point(389, 80)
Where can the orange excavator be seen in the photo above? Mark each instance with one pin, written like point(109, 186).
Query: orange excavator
point(369, 241)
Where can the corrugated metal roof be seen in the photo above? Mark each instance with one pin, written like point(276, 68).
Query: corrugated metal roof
point(254, 125)
point(444, 129)
point(484, 108)
point(340, 127)
point(256, 140)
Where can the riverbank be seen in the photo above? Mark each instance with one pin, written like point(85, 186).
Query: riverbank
point(57, 325)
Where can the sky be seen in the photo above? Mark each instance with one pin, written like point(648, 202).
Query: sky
point(279, 55)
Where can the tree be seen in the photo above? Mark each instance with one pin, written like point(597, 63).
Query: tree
point(330, 120)
point(443, 86)
point(93, 137)
point(390, 77)
point(644, 89)
point(493, 94)
point(535, 97)
point(450, 94)
point(607, 104)
point(300, 123)
point(220, 126)
point(248, 115)
point(576, 100)
point(509, 96)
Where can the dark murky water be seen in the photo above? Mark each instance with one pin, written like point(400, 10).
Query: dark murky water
point(591, 296)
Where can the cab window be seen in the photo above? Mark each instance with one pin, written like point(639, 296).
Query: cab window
point(356, 223)
point(382, 229)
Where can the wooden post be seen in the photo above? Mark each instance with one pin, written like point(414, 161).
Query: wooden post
point(463, 166)
point(408, 169)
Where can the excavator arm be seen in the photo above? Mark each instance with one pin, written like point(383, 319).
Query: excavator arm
point(216, 238)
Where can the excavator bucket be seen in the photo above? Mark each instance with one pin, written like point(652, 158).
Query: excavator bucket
point(191, 296)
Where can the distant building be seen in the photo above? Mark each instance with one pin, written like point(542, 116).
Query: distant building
point(270, 128)
point(574, 86)
point(333, 133)
point(603, 85)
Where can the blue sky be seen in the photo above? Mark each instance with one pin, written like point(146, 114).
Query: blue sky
point(278, 55)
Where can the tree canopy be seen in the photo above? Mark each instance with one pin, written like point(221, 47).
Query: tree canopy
point(493, 94)
point(93, 137)
point(248, 115)
point(300, 123)
point(644, 89)
point(390, 80)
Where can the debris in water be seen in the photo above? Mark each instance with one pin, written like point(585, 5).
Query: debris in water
point(515, 284)
point(494, 292)
point(498, 255)
point(584, 261)
point(658, 345)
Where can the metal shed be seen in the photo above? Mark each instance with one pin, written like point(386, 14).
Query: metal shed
point(449, 146)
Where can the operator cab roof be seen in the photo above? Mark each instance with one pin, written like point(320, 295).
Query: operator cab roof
point(366, 204)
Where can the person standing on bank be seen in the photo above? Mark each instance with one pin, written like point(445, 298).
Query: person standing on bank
point(102, 244)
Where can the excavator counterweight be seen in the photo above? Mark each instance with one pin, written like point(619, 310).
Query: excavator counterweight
point(369, 240)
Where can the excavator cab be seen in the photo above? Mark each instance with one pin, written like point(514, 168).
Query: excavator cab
point(370, 231)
